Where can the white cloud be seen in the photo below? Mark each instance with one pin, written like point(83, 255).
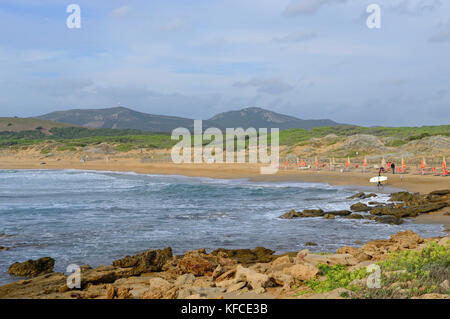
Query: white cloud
point(174, 25)
point(121, 12)
point(307, 7)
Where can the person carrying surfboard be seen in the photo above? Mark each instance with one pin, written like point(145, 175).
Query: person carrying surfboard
point(379, 175)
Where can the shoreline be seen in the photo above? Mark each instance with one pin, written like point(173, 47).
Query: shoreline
point(357, 181)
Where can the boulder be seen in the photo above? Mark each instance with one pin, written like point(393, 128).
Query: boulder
point(362, 195)
point(354, 216)
point(148, 261)
point(254, 279)
point(32, 268)
point(338, 213)
point(281, 262)
point(247, 256)
point(300, 258)
point(197, 264)
point(328, 216)
point(290, 214)
point(392, 220)
point(359, 207)
point(158, 288)
point(310, 243)
point(302, 272)
point(184, 280)
point(4, 248)
point(103, 275)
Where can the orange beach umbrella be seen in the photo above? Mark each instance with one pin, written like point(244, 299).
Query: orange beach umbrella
point(422, 163)
point(365, 162)
point(348, 162)
point(317, 162)
point(444, 164)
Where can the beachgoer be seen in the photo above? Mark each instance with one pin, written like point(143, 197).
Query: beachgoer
point(379, 185)
point(393, 168)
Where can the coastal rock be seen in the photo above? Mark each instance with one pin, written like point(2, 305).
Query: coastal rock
point(158, 289)
point(355, 252)
point(237, 286)
point(197, 263)
point(392, 220)
point(247, 256)
point(290, 214)
point(354, 216)
point(379, 249)
point(310, 243)
point(32, 268)
point(328, 216)
point(281, 263)
point(148, 261)
point(302, 272)
point(4, 248)
point(408, 211)
point(359, 207)
point(184, 280)
point(300, 258)
point(339, 213)
point(312, 213)
point(254, 279)
point(280, 278)
point(362, 195)
point(103, 275)
point(441, 192)
point(36, 287)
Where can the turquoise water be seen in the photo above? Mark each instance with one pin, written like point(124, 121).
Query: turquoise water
point(88, 217)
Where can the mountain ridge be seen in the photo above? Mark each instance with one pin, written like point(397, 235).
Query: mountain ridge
point(125, 118)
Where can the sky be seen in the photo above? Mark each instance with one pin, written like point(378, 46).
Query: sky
point(311, 59)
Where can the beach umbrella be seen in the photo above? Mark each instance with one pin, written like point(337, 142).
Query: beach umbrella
point(348, 161)
point(403, 164)
point(422, 163)
point(317, 162)
point(365, 162)
point(444, 164)
point(303, 163)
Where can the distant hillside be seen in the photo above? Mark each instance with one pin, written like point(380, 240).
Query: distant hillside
point(120, 118)
point(16, 124)
point(124, 118)
point(257, 117)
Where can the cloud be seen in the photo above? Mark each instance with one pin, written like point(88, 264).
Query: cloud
point(306, 7)
point(269, 86)
point(121, 12)
point(174, 25)
point(442, 34)
point(416, 7)
point(298, 36)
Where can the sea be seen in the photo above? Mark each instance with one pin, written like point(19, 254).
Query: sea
point(94, 217)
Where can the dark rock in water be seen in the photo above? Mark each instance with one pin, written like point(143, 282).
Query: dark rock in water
point(441, 192)
point(312, 213)
point(359, 207)
point(148, 261)
point(354, 216)
point(32, 268)
point(291, 214)
point(339, 213)
point(393, 220)
point(406, 197)
point(362, 195)
point(310, 243)
point(375, 203)
point(247, 256)
point(328, 216)
point(370, 217)
point(4, 248)
point(306, 213)
point(408, 211)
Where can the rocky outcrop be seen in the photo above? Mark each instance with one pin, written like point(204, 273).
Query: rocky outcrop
point(362, 195)
point(247, 256)
point(32, 268)
point(359, 207)
point(148, 261)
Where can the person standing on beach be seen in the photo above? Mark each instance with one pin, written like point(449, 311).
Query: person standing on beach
point(379, 185)
point(393, 168)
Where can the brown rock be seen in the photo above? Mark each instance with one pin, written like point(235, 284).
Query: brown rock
point(359, 207)
point(110, 292)
point(302, 272)
point(32, 268)
point(148, 261)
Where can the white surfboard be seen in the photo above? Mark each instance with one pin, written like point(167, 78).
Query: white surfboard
point(377, 179)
